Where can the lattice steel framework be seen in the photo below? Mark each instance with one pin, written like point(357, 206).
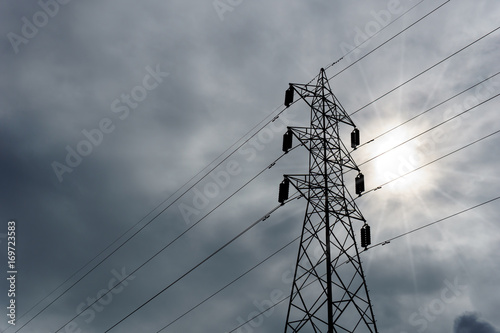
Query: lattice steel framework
point(329, 292)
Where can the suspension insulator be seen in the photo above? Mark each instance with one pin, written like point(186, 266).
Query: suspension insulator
point(284, 190)
point(287, 141)
point(368, 236)
point(360, 183)
point(365, 236)
point(355, 138)
point(289, 96)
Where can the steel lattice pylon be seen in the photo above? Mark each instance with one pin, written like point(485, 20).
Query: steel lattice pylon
point(329, 292)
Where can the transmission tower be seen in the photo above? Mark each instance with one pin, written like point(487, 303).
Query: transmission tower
point(329, 292)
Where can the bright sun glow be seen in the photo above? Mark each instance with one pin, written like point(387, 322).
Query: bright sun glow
point(399, 162)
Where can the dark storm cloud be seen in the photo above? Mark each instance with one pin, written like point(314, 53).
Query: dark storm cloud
point(471, 323)
point(224, 77)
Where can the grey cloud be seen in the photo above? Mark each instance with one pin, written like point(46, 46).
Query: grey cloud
point(471, 323)
point(225, 77)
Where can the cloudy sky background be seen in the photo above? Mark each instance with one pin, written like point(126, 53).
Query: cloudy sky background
point(226, 73)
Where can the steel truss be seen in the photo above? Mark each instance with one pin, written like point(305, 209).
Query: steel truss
point(329, 292)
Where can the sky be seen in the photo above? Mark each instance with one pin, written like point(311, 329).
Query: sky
point(109, 108)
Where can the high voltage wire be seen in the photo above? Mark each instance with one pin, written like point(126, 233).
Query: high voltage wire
point(374, 189)
point(430, 129)
point(215, 168)
point(369, 38)
point(392, 180)
point(381, 243)
point(259, 174)
point(289, 243)
point(422, 72)
point(142, 219)
point(430, 109)
point(399, 33)
point(426, 70)
point(178, 237)
point(230, 283)
point(178, 190)
point(263, 218)
point(297, 238)
point(379, 46)
point(372, 36)
point(435, 222)
point(151, 220)
point(433, 161)
point(277, 303)
point(365, 193)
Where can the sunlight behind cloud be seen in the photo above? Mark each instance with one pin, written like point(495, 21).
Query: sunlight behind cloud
point(398, 165)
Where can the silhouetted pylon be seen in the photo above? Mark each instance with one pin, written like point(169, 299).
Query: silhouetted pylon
point(329, 292)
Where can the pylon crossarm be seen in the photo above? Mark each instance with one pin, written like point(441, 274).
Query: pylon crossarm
point(350, 164)
point(351, 213)
point(335, 111)
point(304, 90)
point(303, 186)
point(302, 134)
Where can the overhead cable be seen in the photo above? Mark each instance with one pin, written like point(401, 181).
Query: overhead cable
point(263, 218)
point(118, 283)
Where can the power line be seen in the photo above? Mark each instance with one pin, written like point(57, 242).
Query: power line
point(430, 129)
point(143, 218)
point(128, 230)
point(435, 222)
point(476, 141)
point(430, 109)
point(263, 218)
point(154, 218)
point(177, 238)
point(232, 282)
point(148, 215)
point(370, 190)
point(372, 36)
point(426, 70)
point(433, 161)
point(381, 243)
point(216, 167)
point(229, 284)
point(201, 171)
point(271, 307)
point(269, 257)
point(387, 41)
point(388, 241)
point(121, 236)
point(369, 38)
